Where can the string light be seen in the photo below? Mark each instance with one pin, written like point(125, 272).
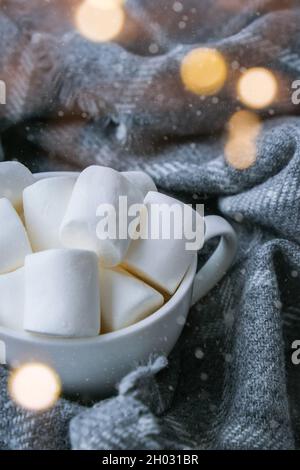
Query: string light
point(240, 149)
point(257, 88)
point(204, 71)
point(34, 386)
point(100, 20)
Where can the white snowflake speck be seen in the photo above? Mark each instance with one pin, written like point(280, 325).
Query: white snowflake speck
point(199, 354)
point(228, 357)
point(178, 7)
point(180, 320)
point(238, 217)
point(235, 65)
point(153, 48)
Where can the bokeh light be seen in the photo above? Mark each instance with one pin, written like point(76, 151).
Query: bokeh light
point(34, 386)
point(99, 21)
point(243, 130)
point(204, 71)
point(244, 122)
point(257, 88)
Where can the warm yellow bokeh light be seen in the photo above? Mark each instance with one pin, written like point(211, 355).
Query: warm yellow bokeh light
point(204, 71)
point(243, 130)
point(99, 24)
point(244, 123)
point(240, 154)
point(34, 386)
point(257, 88)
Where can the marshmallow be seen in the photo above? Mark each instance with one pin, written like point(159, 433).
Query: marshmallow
point(141, 180)
point(14, 243)
point(45, 204)
point(62, 295)
point(97, 188)
point(14, 178)
point(125, 300)
point(163, 262)
point(12, 299)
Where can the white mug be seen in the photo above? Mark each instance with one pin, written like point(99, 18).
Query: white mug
point(94, 366)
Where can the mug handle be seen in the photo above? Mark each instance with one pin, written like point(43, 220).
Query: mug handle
point(217, 265)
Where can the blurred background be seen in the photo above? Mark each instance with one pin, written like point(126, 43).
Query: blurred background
point(144, 83)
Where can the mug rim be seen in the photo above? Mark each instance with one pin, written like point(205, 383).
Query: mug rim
point(105, 337)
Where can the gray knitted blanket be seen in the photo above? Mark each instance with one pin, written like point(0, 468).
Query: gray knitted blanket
point(230, 382)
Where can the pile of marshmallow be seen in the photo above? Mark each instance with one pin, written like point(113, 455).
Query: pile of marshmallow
point(57, 276)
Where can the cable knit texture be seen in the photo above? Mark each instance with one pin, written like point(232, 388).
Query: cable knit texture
point(230, 382)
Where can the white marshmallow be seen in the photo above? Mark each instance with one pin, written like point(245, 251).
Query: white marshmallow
point(12, 299)
point(125, 300)
point(162, 262)
point(141, 180)
point(62, 295)
point(98, 186)
point(14, 243)
point(45, 204)
point(14, 178)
